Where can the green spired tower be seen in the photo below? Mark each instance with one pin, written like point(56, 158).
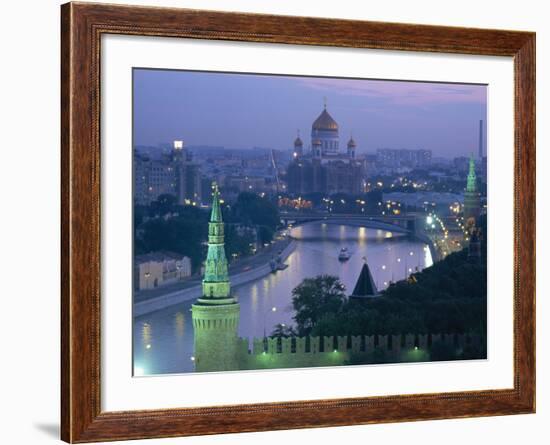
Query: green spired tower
point(471, 195)
point(216, 313)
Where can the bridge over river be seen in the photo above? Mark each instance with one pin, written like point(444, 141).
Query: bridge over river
point(408, 223)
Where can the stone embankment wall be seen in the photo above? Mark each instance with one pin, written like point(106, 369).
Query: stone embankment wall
point(192, 293)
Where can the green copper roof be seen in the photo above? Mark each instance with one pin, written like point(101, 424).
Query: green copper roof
point(471, 185)
point(216, 287)
point(216, 215)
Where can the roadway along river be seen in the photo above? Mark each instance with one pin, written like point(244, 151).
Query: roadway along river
point(163, 340)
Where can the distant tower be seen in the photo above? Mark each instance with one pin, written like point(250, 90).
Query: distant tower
point(179, 158)
point(216, 314)
point(298, 147)
point(471, 195)
point(480, 147)
point(351, 148)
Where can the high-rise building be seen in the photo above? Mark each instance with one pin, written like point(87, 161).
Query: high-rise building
point(216, 313)
point(391, 158)
point(472, 204)
point(172, 173)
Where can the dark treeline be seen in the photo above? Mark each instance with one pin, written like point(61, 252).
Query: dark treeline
point(448, 297)
point(165, 225)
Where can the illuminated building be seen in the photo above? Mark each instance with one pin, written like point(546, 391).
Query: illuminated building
point(324, 168)
point(174, 173)
point(472, 205)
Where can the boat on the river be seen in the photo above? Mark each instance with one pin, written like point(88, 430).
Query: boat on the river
point(344, 254)
point(277, 264)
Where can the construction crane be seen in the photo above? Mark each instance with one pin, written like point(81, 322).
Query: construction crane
point(274, 164)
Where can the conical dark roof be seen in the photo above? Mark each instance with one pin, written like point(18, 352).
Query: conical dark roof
point(365, 284)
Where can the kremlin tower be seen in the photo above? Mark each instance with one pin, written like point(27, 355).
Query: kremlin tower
point(471, 197)
point(216, 313)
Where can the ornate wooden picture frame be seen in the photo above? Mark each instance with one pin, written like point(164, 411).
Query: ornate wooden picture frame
point(82, 27)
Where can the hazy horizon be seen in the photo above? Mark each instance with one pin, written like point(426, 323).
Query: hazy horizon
point(254, 110)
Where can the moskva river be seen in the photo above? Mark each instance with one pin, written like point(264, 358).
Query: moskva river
point(163, 340)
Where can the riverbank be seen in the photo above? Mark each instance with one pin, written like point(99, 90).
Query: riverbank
point(434, 251)
point(242, 272)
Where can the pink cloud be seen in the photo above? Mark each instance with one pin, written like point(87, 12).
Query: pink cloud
point(400, 92)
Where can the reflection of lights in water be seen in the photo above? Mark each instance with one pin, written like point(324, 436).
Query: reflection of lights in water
point(290, 260)
point(297, 232)
point(389, 234)
point(254, 297)
point(146, 334)
point(179, 324)
point(362, 235)
point(428, 260)
point(148, 346)
point(138, 371)
point(273, 279)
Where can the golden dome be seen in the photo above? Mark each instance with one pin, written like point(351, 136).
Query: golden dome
point(325, 122)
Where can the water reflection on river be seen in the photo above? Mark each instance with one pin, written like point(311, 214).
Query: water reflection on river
point(163, 340)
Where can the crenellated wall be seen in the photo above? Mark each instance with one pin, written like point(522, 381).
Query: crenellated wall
point(298, 352)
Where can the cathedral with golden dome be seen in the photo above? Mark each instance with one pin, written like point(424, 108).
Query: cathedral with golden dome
point(323, 168)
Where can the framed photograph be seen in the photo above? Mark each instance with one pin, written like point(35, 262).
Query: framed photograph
point(274, 222)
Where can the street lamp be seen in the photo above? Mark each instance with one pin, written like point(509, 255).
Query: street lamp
point(272, 309)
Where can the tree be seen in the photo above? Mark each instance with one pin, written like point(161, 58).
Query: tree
point(182, 234)
point(283, 331)
point(237, 243)
point(254, 210)
point(163, 205)
point(314, 298)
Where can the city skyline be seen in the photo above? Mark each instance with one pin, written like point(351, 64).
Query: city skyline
point(251, 110)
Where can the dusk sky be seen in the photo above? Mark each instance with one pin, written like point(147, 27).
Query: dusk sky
point(245, 111)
